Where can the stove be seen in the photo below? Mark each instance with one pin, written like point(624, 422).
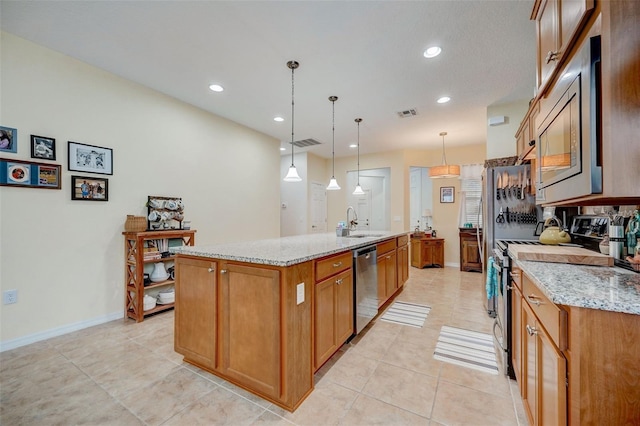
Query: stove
point(499, 305)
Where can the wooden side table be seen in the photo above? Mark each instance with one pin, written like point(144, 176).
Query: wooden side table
point(427, 251)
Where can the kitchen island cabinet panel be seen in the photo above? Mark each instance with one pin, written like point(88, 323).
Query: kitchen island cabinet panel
point(387, 274)
point(195, 313)
point(263, 339)
point(403, 264)
point(250, 332)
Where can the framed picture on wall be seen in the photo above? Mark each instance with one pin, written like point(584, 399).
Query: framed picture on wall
point(447, 195)
point(89, 188)
point(90, 158)
point(43, 147)
point(29, 174)
point(8, 139)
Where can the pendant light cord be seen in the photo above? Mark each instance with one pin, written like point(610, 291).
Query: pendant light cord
point(444, 157)
point(293, 67)
point(358, 120)
point(333, 136)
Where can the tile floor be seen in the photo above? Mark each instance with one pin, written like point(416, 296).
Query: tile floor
point(123, 373)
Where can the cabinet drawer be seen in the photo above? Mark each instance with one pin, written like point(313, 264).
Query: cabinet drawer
point(386, 246)
point(402, 240)
point(432, 243)
point(332, 265)
point(552, 318)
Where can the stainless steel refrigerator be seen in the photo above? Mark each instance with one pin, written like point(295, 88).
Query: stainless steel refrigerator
point(508, 210)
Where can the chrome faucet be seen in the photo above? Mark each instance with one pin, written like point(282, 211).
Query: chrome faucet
point(352, 224)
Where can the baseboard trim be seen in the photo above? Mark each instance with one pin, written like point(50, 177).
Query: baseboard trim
point(58, 331)
point(452, 264)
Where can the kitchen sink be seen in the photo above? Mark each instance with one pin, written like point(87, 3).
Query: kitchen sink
point(363, 236)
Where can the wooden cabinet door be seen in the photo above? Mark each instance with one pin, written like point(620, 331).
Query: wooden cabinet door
point(438, 254)
point(551, 381)
point(517, 331)
point(548, 44)
point(470, 255)
point(382, 280)
point(250, 326)
point(344, 307)
point(402, 266)
point(195, 311)
point(573, 13)
point(416, 253)
point(324, 321)
point(391, 276)
point(529, 383)
point(427, 253)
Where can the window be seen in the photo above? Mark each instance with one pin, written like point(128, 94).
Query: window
point(470, 191)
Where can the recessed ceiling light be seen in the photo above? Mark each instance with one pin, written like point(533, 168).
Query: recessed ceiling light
point(278, 119)
point(216, 88)
point(282, 148)
point(432, 52)
point(444, 100)
point(353, 145)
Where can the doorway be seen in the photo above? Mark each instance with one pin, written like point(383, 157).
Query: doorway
point(374, 207)
point(420, 198)
point(318, 207)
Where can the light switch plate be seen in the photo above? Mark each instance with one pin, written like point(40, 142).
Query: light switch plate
point(300, 293)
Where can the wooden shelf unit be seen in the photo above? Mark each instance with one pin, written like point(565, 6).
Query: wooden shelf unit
point(134, 244)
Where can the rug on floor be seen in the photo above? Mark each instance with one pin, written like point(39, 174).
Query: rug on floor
point(466, 348)
point(406, 313)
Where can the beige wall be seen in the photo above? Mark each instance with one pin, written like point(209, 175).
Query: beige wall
point(501, 141)
point(65, 257)
point(445, 216)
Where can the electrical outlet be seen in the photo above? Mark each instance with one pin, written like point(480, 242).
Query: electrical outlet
point(9, 297)
point(300, 293)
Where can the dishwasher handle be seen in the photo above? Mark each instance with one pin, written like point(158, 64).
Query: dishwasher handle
point(364, 251)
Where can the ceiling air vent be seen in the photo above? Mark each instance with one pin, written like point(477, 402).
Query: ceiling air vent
point(407, 113)
point(306, 142)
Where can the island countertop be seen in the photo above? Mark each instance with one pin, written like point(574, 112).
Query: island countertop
point(287, 251)
point(594, 287)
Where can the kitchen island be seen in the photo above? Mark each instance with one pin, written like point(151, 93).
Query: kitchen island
point(255, 313)
point(575, 339)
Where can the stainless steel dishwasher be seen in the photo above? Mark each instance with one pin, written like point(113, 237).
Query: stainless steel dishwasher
point(366, 286)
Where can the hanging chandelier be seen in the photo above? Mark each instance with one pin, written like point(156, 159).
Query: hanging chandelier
point(445, 170)
point(358, 190)
point(333, 183)
point(292, 175)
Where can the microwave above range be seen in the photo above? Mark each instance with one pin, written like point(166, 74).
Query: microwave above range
point(568, 151)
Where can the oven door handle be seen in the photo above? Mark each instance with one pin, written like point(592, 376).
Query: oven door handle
point(497, 265)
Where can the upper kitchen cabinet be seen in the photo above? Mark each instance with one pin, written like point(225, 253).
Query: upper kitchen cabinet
point(586, 130)
point(526, 137)
point(558, 25)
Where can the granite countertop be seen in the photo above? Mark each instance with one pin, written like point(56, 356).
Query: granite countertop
point(286, 251)
point(594, 287)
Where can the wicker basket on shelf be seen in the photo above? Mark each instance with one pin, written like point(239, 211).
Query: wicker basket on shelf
point(135, 223)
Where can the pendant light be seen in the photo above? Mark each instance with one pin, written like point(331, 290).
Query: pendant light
point(358, 190)
point(445, 170)
point(333, 183)
point(292, 176)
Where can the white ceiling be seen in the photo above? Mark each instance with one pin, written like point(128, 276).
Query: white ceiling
point(368, 53)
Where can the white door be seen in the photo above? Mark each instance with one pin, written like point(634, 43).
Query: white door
point(363, 210)
point(318, 208)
